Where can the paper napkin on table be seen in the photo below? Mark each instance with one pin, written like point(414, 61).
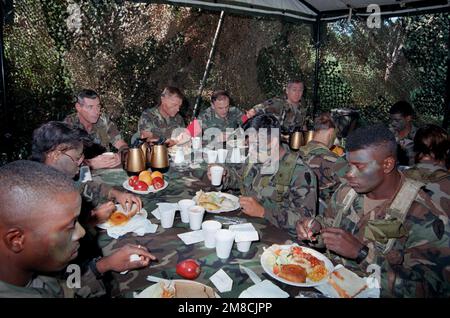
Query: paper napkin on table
point(264, 289)
point(192, 237)
point(222, 281)
point(244, 232)
point(139, 224)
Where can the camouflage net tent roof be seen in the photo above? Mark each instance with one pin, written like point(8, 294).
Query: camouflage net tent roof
point(317, 10)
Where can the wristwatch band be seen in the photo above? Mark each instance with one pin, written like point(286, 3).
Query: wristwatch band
point(362, 254)
point(93, 267)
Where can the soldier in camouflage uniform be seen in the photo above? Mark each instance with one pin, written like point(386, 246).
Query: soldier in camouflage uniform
point(328, 166)
point(283, 197)
point(161, 121)
point(220, 115)
point(101, 130)
point(288, 110)
point(432, 147)
point(381, 219)
point(39, 222)
point(402, 126)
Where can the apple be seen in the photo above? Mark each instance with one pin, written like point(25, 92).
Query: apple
point(188, 268)
point(132, 180)
point(140, 186)
point(157, 183)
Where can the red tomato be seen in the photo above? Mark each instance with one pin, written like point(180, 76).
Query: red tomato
point(132, 181)
point(157, 183)
point(140, 186)
point(189, 269)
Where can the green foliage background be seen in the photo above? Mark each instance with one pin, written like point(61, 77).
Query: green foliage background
point(128, 52)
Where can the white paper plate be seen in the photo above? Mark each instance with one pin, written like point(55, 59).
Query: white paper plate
point(233, 198)
point(150, 188)
point(142, 214)
point(267, 265)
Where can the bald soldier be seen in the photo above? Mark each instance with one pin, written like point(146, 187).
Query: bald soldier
point(39, 234)
point(383, 219)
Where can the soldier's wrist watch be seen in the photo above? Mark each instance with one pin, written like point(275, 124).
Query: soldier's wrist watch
point(93, 267)
point(362, 254)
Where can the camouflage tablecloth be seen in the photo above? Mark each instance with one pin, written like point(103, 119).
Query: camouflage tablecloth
point(169, 249)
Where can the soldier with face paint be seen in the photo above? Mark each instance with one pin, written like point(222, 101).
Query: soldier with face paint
point(401, 124)
point(382, 218)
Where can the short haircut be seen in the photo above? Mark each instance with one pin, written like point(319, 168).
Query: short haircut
point(170, 91)
point(220, 95)
point(50, 135)
point(323, 122)
point(433, 141)
point(295, 81)
point(267, 121)
point(372, 136)
point(86, 93)
point(403, 108)
point(23, 184)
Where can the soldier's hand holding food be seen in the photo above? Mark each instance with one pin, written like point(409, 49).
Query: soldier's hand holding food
point(120, 261)
point(307, 229)
point(102, 212)
point(341, 242)
point(127, 200)
point(252, 207)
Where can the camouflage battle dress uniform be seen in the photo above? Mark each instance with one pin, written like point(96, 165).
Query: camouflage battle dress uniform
point(407, 238)
point(210, 119)
point(51, 287)
point(437, 183)
point(152, 121)
point(104, 133)
point(287, 196)
point(290, 116)
point(328, 167)
point(405, 147)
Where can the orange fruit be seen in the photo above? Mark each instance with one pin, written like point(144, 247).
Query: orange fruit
point(147, 179)
point(157, 174)
point(144, 173)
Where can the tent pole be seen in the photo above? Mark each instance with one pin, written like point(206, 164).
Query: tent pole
point(317, 66)
point(208, 64)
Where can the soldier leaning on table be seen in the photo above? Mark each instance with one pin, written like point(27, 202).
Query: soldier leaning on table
point(382, 217)
point(282, 197)
point(101, 130)
point(162, 120)
point(39, 234)
point(328, 166)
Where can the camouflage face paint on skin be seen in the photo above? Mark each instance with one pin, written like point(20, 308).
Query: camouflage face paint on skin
point(398, 122)
point(365, 178)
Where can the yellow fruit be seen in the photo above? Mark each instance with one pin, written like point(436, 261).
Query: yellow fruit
point(145, 173)
point(157, 174)
point(147, 179)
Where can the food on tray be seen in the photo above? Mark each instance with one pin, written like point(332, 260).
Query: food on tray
point(132, 181)
point(293, 273)
point(140, 186)
point(214, 201)
point(157, 183)
point(157, 174)
point(287, 263)
point(346, 283)
point(146, 176)
point(118, 218)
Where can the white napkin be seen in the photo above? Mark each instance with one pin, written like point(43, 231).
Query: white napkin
point(164, 206)
point(222, 281)
point(244, 232)
point(138, 224)
point(192, 237)
point(265, 289)
point(373, 290)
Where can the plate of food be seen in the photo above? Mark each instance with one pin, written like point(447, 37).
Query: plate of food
point(216, 202)
point(177, 289)
point(296, 265)
point(121, 218)
point(147, 182)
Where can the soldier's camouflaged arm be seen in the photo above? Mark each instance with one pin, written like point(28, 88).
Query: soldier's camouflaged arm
point(95, 192)
point(232, 179)
point(90, 286)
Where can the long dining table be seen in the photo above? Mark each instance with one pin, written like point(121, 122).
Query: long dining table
point(170, 249)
